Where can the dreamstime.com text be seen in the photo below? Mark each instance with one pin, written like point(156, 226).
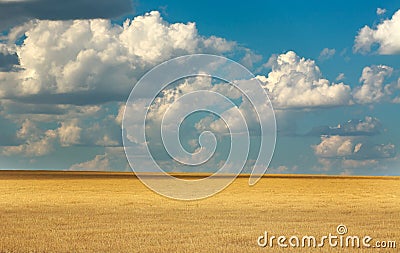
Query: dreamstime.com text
point(340, 239)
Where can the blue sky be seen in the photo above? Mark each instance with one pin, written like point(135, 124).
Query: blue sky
point(63, 83)
point(273, 27)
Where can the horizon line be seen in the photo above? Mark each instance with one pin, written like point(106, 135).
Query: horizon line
point(183, 174)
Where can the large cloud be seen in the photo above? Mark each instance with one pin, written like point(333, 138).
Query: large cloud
point(386, 35)
point(296, 82)
point(14, 12)
point(95, 61)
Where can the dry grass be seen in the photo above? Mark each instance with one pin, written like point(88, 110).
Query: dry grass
point(75, 212)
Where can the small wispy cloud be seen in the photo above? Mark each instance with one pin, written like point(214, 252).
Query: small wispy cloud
point(340, 77)
point(326, 54)
point(380, 11)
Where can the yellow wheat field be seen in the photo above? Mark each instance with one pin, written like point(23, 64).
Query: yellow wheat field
point(89, 212)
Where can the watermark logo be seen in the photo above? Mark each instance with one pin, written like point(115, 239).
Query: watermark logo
point(341, 229)
point(198, 113)
point(339, 239)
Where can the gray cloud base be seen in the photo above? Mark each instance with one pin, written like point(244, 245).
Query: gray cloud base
point(16, 12)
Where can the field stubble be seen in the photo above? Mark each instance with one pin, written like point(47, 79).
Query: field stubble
point(50, 212)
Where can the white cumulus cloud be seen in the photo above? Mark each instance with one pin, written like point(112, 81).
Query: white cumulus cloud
point(298, 82)
point(386, 35)
point(373, 88)
point(352, 148)
point(95, 59)
point(37, 142)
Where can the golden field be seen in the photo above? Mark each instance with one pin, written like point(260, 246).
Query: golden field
point(115, 212)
